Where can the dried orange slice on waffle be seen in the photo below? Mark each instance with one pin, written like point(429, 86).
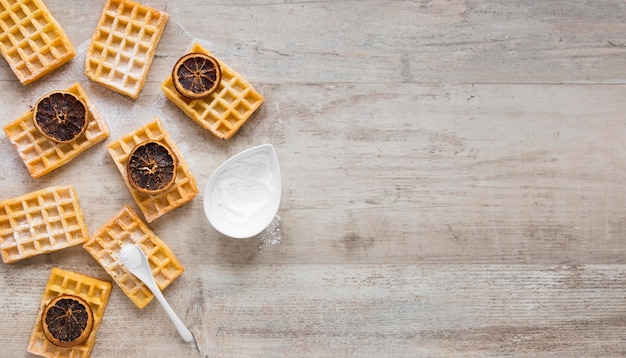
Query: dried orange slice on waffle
point(60, 116)
point(196, 75)
point(151, 167)
point(61, 283)
point(67, 321)
point(224, 111)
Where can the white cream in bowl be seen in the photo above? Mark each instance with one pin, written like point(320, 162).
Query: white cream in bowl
point(243, 194)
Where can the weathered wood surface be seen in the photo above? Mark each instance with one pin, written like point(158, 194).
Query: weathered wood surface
point(363, 311)
point(452, 182)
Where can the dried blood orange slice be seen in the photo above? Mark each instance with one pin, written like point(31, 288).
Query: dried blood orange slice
point(151, 167)
point(67, 321)
point(196, 75)
point(60, 116)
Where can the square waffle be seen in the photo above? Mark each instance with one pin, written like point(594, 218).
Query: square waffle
point(123, 45)
point(128, 228)
point(154, 205)
point(224, 111)
point(61, 282)
point(31, 40)
point(42, 155)
point(40, 222)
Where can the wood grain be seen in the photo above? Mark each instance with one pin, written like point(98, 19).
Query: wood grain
point(367, 311)
point(452, 182)
point(409, 310)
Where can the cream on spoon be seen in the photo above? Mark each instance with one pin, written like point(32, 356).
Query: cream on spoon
point(135, 261)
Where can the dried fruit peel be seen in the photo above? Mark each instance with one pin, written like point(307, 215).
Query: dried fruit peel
point(123, 44)
point(40, 222)
point(196, 75)
point(61, 282)
point(151, 167)
point(63, 319)
point(42, 155)
point(60, 116)
point(31, 40)
point(225, 110)
point(128, 228)
point(182, 191)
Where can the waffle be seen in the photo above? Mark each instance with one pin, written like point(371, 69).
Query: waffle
point(40, 222)
point(123, 45)
point(42, 155)
point(61, 282)
point(128, 228)
point(154, 205)
point(31, 40)
point(224, 111)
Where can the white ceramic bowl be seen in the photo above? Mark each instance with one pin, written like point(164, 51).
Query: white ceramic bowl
point(243, 195)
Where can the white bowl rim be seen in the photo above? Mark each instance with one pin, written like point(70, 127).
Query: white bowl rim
point(245, 232)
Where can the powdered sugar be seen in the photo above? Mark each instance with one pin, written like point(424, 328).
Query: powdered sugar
point(272, 235)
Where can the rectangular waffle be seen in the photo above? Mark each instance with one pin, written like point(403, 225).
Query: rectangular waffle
point(224, 111)
point(182, 191)
point(128, 228)
point(31, 40)
point(61, 282)
point(42, 155)
point(122, 46)
point(40, 222)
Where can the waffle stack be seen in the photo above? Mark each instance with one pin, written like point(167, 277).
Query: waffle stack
point(93, 291)
point(225, 110)
point(128, 228)
point(31, 40)
point(122, 46)
point(40, 222)
point(42, 155)
point(179, 193)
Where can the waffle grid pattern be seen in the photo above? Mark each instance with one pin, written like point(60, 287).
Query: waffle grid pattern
point(40, 222)
point(128, 228)
point(61, 282)
point(122, 47)
point(225, 110)
point(178, 194)
point(31, 40)
point(42, 155)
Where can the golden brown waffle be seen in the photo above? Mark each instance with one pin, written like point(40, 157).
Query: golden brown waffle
point(61, 282)
point(224, 111)
point(40, 222)
point(122, 46)
point(42, 155)
point(128, 228)
point(154, 205)
point(31, 40)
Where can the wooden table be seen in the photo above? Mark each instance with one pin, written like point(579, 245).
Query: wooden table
point(453, 182)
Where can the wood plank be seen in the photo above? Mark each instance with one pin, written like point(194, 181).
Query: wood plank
point(477, 41)
point(359, 311)
point(457, 41)
point(415, 311)
point(395, 173)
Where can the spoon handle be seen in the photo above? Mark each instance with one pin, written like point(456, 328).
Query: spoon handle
point(180, 326)
point(136, 261)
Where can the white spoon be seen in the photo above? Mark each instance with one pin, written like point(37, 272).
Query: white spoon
point(135, 260)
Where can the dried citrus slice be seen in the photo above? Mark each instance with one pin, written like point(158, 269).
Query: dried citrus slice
point(196, 75)
point(67, 321)
point(60, 116)
point(151, 167)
